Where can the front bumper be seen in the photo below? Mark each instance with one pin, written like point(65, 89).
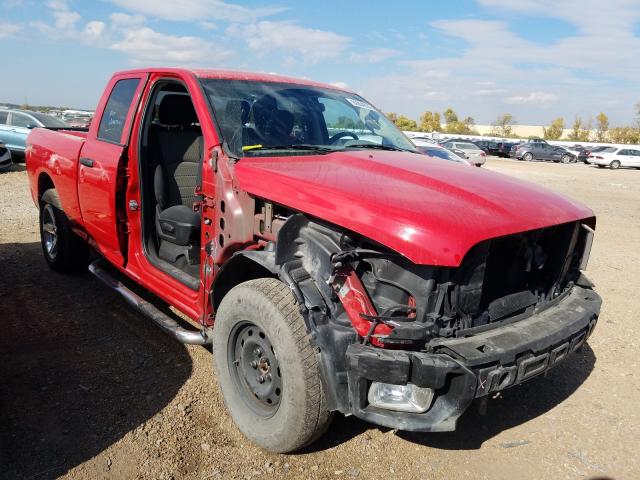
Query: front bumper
point(461, 369)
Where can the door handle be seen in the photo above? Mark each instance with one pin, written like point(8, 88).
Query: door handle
point(87, 162)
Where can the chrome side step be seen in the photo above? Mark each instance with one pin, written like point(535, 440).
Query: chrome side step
point(165, 322)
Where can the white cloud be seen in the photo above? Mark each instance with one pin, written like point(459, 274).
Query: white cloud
point(311, 45)
point(126, 20)
point(375, 55)
point(94, 31)
point(532, 98)
point(196, 10)
point(146, 46)
point(8, 29)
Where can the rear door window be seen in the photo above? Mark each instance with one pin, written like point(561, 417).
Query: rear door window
point(115, 112)
point(21, 120)
point(3, 118)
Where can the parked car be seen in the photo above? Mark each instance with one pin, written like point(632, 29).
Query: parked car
point(472, 152)
point(15, 125)
point(5, 158)
point(584, 156)
point(328, 275)
point(488, 146)
point(437, 151)
point(504, 148)
point(542, 151)
point(615, 157)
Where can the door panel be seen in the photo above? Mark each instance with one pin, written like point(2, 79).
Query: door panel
point(102, 167)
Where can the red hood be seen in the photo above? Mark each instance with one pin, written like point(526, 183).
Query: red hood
point(429, 210)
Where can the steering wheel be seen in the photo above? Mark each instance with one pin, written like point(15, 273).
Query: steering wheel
point(340, 135)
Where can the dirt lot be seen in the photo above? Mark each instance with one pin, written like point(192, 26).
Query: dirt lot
point(89, 389)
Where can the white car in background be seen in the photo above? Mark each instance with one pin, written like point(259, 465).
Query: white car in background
point(472, 152)
point(615, 157)
point(436, 151)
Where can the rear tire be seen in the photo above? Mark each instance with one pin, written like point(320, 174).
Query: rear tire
point(615, 164)
point(63, 250)
point(527, 157)
point(267, 368)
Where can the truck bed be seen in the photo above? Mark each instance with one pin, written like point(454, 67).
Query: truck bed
point(55, 154)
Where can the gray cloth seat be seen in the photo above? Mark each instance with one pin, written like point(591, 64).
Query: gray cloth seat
point(179, 143)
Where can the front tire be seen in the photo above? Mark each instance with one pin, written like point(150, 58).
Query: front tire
point(566, 159)
point(527, 157)
point(615, 164)
point(63, 250)
point(267, 368)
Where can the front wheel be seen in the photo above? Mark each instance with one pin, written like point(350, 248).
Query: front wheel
point(566, 159)
point(267, 368)
point(527, 157)
point(63, 250)
point(615, 164)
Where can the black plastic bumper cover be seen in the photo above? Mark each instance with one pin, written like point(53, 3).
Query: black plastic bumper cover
point(461, 369)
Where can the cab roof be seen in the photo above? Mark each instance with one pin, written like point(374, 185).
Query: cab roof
point(235, 75)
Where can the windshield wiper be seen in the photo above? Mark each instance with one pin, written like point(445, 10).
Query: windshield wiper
point(378, 146)
point(307, 147)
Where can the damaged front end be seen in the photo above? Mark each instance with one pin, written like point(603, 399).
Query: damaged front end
point(410, 346)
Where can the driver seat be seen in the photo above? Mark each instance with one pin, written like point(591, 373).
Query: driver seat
point(180, 149)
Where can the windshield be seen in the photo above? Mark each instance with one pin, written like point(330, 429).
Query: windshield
point(48, 120)
point(258, 118)
point(439, 153)
point(467, 146)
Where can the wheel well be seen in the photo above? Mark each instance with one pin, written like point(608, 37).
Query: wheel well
point(44, 183)
point(237, 270)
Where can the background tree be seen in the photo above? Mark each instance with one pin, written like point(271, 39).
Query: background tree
point(406, 123)
point(450, 115)
point(503, 125)
point(602, 127)
point(430, 122)
point(576, 130)
point(625, 135)
point(554, 131)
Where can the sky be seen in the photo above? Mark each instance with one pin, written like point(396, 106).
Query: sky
point(535, 59)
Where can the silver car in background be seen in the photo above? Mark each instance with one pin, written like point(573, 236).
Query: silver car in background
point(474, 154)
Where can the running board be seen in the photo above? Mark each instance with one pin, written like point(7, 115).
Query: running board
point(165, 322)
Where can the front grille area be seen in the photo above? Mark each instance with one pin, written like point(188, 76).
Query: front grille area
point(507, 276)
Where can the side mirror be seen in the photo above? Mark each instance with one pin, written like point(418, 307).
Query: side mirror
point(31, 126)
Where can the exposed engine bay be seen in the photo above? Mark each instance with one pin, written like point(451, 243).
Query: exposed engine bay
point(390, 301)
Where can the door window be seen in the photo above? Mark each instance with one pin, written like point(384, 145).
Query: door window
point(115, 112)
point(623, 152)
point(3, 118)
point(21, 120)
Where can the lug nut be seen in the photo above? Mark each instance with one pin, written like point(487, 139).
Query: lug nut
point(257, 352)
point(260, 379)
point(254, 364)
point(268, 377)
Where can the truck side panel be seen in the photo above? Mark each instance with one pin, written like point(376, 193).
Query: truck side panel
point(55, 154)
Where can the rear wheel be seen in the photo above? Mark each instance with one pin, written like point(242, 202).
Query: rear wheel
point(267, 368)
point(615, 164)
point(527, 157)
point(63, 250)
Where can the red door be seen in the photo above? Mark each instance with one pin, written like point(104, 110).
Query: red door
point(101, 176)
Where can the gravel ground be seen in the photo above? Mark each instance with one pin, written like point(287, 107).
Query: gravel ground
point(89, 389)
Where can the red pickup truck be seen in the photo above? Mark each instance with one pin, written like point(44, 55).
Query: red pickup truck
point(331, 266)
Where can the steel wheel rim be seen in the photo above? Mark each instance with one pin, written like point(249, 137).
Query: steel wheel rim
point(255, 369)
point(49, 231)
